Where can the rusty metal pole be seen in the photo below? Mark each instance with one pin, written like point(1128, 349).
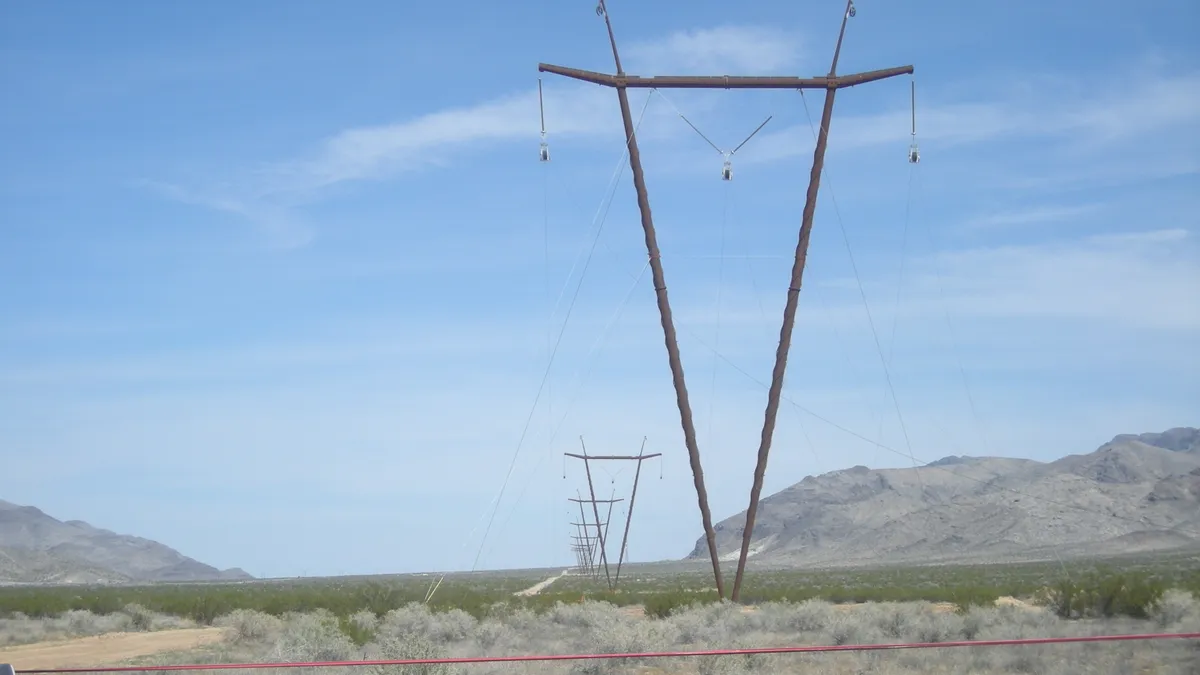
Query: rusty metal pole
point(607, 521)
point(577, 546)
point(629, 515)
point(587, 467)
point(587, 534)
point(664, 310)
point(789, 313)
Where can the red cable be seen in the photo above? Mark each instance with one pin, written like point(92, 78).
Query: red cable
point(641, 655)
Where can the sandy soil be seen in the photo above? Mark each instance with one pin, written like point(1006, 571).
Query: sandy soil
point(106, 649)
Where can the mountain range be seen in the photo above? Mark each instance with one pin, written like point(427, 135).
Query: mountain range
point(36, 548)
point(1136, 493)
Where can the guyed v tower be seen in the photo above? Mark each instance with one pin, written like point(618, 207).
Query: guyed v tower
point(830, 83)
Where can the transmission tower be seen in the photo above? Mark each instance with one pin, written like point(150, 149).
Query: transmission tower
point(830, 83)
point(600, 538)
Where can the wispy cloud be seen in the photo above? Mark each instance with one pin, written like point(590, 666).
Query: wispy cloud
point(1099, 278)
point(1134, 280)
point(1037, 215)
point(376, 152)
point(1137, 283)
point(282, 226)
point(728, 50)
point(271, 195)
point(1151, 238)
point(1156, 102)
point(1088, 119)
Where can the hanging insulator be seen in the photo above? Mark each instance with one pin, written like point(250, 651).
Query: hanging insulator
point(544, 150)
point(727, 171)
point(852, 11)
point(914, 153)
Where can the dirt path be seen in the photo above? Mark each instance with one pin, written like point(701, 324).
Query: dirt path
point(541, 585)
point(106, 649)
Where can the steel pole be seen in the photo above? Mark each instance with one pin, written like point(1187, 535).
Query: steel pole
point(789, 314)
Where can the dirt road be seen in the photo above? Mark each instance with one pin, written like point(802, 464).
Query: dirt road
point(541, 585)
point(106, 649)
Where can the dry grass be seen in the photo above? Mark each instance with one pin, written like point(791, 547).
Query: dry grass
point(413, 632)
point(18, 629)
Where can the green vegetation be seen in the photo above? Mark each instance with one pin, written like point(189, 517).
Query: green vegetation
point(1108, 594)
point(1130, 588)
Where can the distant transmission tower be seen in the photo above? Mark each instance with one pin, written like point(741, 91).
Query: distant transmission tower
point(590, 544)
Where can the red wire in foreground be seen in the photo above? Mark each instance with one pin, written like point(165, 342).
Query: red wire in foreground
point(642, 655)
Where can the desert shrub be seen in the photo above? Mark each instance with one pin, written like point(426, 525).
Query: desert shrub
point(490, 633)
point(82, 622)
point(412, 646)
point(588, 615)
point(1026, 659)
point(247, 625)
point(737, 665)
point(312, 637)
point(893, 620)
point(1105, 595)
point(441, 627)
point(411, 618)
point(205, 602)
point(206, 608)
point(625, 637)
point(140, 618)
point(379, 599)
point(359, 627)
point(20, 631)
point(1063, 598)
point(521, 620)
point(974, 621)
point(452, 626)
point(1019, 622)
point(939, 627)
point(844, 629)
point(708, 624)
point(70, 624)
point(1174, 607)
point(662, 605)
point(809, 616)
point(966, 597)
point(364, 619)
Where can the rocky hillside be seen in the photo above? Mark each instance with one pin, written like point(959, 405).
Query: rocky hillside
point(36, 548)
point(1135, 493)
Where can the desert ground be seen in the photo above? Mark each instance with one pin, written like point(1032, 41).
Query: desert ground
point(135, 635)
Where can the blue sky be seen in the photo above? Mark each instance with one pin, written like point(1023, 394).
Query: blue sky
point(277, 279)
